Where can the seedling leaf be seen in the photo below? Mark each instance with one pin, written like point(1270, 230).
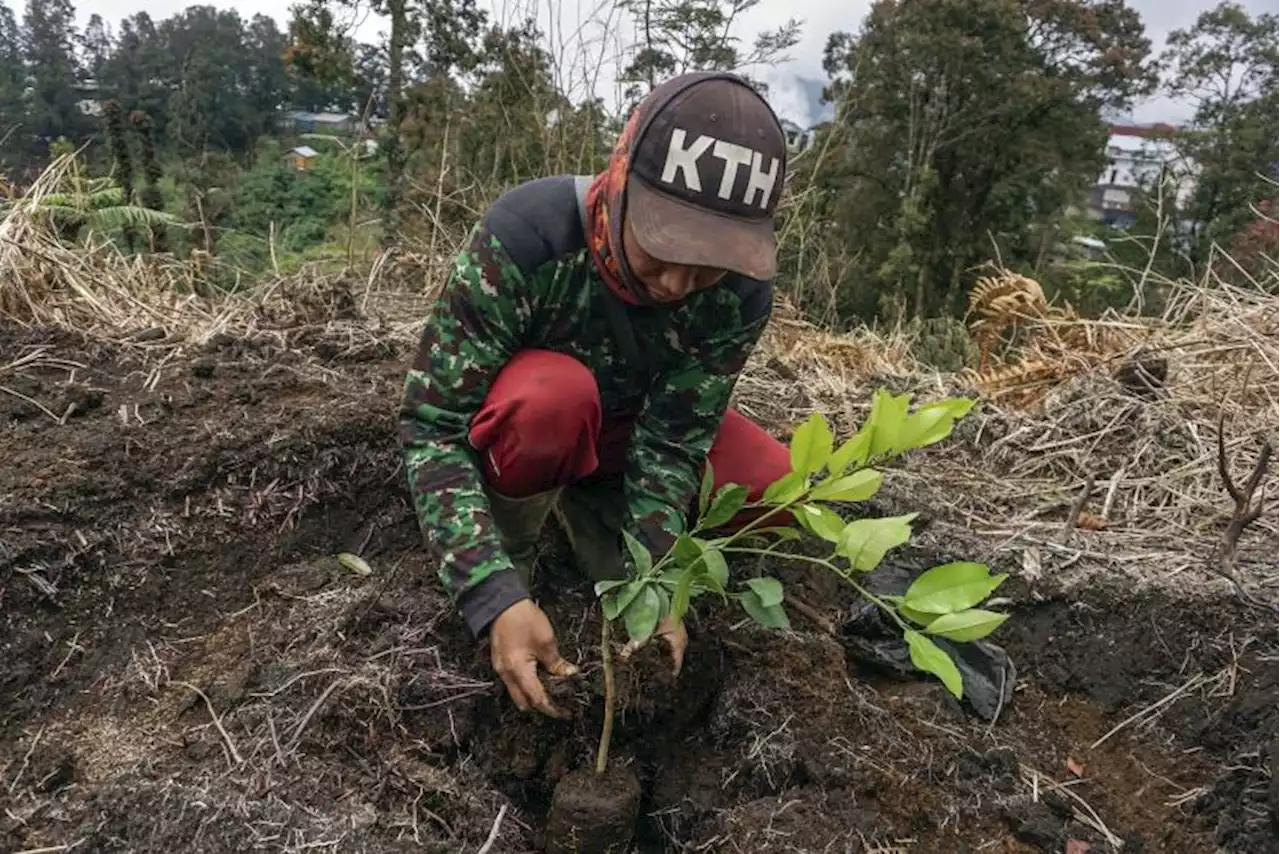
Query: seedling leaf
point(642, 615)
point(811, 445)
point(767, 590)
point(888, 420)
point(603, 587)
point(927, 656)
point(858, 486)
point(770, 618)
point(866, 541)
point(918, 617)
point(687, 551)
point(853, 452)
point(704, 491)
point(952, 587)
point(821, 521)
point(715, 570)
point(617, 601)
point(787, 488)
point(680, 598)
point(639, 554)
point(964, 626)
point(727, 503)
point(934, 422)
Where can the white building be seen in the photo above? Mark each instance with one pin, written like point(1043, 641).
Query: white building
point(1139, 157)
point(798, 138)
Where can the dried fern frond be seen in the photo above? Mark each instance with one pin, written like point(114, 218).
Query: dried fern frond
point(1007, 298)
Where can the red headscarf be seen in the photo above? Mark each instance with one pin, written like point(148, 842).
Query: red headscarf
point(605, 206)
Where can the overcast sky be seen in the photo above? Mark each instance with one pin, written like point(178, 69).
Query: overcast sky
point(579, 24)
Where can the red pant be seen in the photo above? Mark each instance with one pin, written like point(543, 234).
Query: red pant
point(541, 426)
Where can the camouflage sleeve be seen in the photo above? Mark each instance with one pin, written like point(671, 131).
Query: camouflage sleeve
point(678, 425)
point(475, 326)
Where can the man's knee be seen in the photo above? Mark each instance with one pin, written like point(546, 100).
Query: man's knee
point(745, 454)
point(539, 423)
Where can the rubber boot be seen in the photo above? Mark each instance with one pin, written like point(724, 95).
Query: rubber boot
point(592, 516)
point(519, 522)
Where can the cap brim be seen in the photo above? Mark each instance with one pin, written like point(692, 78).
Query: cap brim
point(678, 233)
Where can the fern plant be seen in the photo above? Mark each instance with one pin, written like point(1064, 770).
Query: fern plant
point(80, 204)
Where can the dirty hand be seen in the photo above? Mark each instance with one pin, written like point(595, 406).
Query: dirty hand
point(675, 637)
point(521, 638)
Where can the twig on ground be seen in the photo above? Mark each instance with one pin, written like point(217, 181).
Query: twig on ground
point(1156, 707)
point(51, 849)
point(1089, 816)
point(31, 401)
point(493, 831)
point(26, 760)
point(1077, 506)
point(306, 718)
point(233, 754)
point(815, 616)
point(74, 646)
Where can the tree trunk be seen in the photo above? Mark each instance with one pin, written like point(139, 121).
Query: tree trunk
point(395, 121)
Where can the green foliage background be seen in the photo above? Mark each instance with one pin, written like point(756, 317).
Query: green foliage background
point(965, 131)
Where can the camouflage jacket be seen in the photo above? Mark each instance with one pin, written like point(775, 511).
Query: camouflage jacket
point(526, 281)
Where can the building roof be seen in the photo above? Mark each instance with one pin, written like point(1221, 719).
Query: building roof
point(325, 118)
point(304, 151)
point(1146, 131)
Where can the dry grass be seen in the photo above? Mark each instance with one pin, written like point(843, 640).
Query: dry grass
point(1056, 414)
point(94, 288)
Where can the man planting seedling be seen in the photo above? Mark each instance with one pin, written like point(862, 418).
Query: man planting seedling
point(580, 362)
point(581, 358)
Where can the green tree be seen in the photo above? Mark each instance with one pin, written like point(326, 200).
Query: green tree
point(675, 36)
point(48, 34)
point(95, 46)
point(965, 126)
point(152, 197)
point(264, 79)
point(405, 28)
point(506, 136)
point(1226, 64)
point(140, 72)
point(369, 80)
point(13, 114)
point(319, 58)
point(212, 106)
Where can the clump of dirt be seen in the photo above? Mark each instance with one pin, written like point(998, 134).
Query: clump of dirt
point(185, 666)
point(594, 813)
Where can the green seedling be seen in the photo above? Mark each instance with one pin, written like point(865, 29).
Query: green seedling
point(942, 602)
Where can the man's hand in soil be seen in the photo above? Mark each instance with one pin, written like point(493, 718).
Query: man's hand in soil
point(520, 639)
point(673, 635)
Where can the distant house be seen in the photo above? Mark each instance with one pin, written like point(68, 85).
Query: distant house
point(88, 101)
point(301, 157)
point(798, 138)
point(304, 121)
point(1138, 157)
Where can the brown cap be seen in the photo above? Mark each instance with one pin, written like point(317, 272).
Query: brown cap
point(707, 162)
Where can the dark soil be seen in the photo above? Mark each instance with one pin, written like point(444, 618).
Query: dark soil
point(594, 813)
point(184, 666)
